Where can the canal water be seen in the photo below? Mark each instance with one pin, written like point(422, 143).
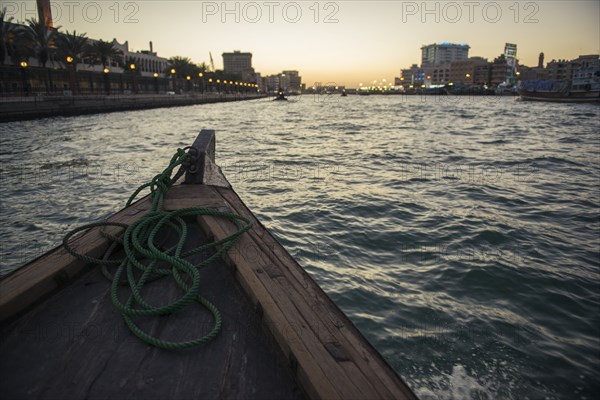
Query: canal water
point(460, 234)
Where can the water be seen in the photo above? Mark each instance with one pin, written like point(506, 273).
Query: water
point(461, 235)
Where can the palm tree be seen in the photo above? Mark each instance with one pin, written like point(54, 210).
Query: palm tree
point(183, 66)
point(41, 38)
point(19, 46)
point(6, 29)
point(133, 72)
point(104, 53)
point(203, 67)
point(71, 48)
point(72, 45)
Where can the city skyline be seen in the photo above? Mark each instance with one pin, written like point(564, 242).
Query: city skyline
point(342, 42)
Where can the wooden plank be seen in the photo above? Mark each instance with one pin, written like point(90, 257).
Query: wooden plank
point(306, 302)
point(309, 372)
point(288, 326)
point(47, 273)
point(302, 309)
point(188, 196)
point(326, 316)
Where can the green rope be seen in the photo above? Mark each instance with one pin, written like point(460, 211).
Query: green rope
point(146, 261)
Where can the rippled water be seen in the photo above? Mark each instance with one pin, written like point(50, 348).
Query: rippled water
point(461, 235)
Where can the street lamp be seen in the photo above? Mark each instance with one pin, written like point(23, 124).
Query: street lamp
point(173, 84)
point(155, 75)
point(201, 76)
point(132, 69)
point(106, 83)
point(71, 69)
point(24, 77)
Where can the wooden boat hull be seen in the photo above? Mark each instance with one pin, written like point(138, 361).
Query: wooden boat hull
point(291, 340)
point(560, 97)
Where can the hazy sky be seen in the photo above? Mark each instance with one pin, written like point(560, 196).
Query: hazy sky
point(345, 42)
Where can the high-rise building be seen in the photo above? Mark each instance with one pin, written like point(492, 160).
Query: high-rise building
point(271, 83)
point(510, 55)
point(291, 81)
point(238, 63)
point(443, 53)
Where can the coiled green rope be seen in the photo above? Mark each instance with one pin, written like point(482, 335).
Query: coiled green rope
point(143, 255)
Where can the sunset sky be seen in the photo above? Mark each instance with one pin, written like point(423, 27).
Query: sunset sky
point(345, 42)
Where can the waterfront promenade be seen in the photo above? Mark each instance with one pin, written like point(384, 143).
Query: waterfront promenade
point(33, 107)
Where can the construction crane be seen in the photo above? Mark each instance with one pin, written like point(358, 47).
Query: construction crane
point(212, 63)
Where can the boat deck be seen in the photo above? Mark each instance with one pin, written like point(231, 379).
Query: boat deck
point(282, 336)
point(75, 345)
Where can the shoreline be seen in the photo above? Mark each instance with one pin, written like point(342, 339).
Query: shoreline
point(37, 107)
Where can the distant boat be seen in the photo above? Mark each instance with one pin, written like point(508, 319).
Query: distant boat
point(583, 88)
point(344, 94)
point(505, 89)
point(280, 97)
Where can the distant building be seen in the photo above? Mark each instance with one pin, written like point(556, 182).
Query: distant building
point(443, 53)
point(271, 83)
point(291, 81)
point(439, 74)
point(413, 76)
point(238, 63)
point(147, 62)
point(498, 70)
point(559, 69)
point(587, 61)
point(510, 55)
point(481, 74)
point(528, 73)
point(473, 71)
point(564, 69)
